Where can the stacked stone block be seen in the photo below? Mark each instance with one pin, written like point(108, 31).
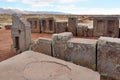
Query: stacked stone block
point(106, 26)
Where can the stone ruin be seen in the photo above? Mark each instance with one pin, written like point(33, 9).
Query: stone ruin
point(47, 25)
point(60, 27)
point(102, 26)
point(44, 25)
point(50, 25)
point(106, 26)
point(72, 25)
point(101, 55)
point(21, 34)
point(35, 24)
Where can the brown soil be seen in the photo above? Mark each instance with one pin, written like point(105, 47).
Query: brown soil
point(5, 44)
point(6, 41)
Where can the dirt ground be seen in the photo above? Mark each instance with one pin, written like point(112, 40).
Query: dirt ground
point(6, 41)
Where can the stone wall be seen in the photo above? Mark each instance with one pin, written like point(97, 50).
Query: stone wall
point(35, 24)
point(106, 26)
point(60, 27)
point(47, 25)
point(72, 25)
point(82, 31)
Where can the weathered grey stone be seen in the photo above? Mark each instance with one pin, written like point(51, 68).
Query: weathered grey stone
point(35, 25)
point(82, 31)
point(106, 26)
point(42, 45)
point(90, 32)
point(82, 52)
point(21, 34)
point(35, 66)
point(72, 24)
point(60, 27)
point(108, 57)
point(59, 42)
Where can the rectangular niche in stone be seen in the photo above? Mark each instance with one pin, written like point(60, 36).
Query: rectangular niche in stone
point(35, 24)
point(106, 26)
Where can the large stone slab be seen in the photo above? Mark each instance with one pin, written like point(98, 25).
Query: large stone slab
point(90, 32)
point(59, 42)
point(35, 25)
point(72, 24)
point(106, 26)
point(43, 45)
point(35, 66)
point(82, 52)
point(60, 27)
point(82, 31)
point(108, 58)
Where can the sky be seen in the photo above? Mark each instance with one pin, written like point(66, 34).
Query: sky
point(67, 6)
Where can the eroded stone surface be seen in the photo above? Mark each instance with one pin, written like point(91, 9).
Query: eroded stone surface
point(82, 52)
point(109, 57)
point(36, 66)
point(106, 26)
point(60, 27)
point(59, 42)
point(35, 24)
point(82, 31)
point(72, 24)
point(43, 45)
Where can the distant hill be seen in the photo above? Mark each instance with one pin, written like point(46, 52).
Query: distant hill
point(17, 11)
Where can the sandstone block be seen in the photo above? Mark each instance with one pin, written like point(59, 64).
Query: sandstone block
point(108, 57)
point(60, 27)
point(43, 45)
point(59, 42)
point(82, 31)
point(82, 52)
point(72, 24)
